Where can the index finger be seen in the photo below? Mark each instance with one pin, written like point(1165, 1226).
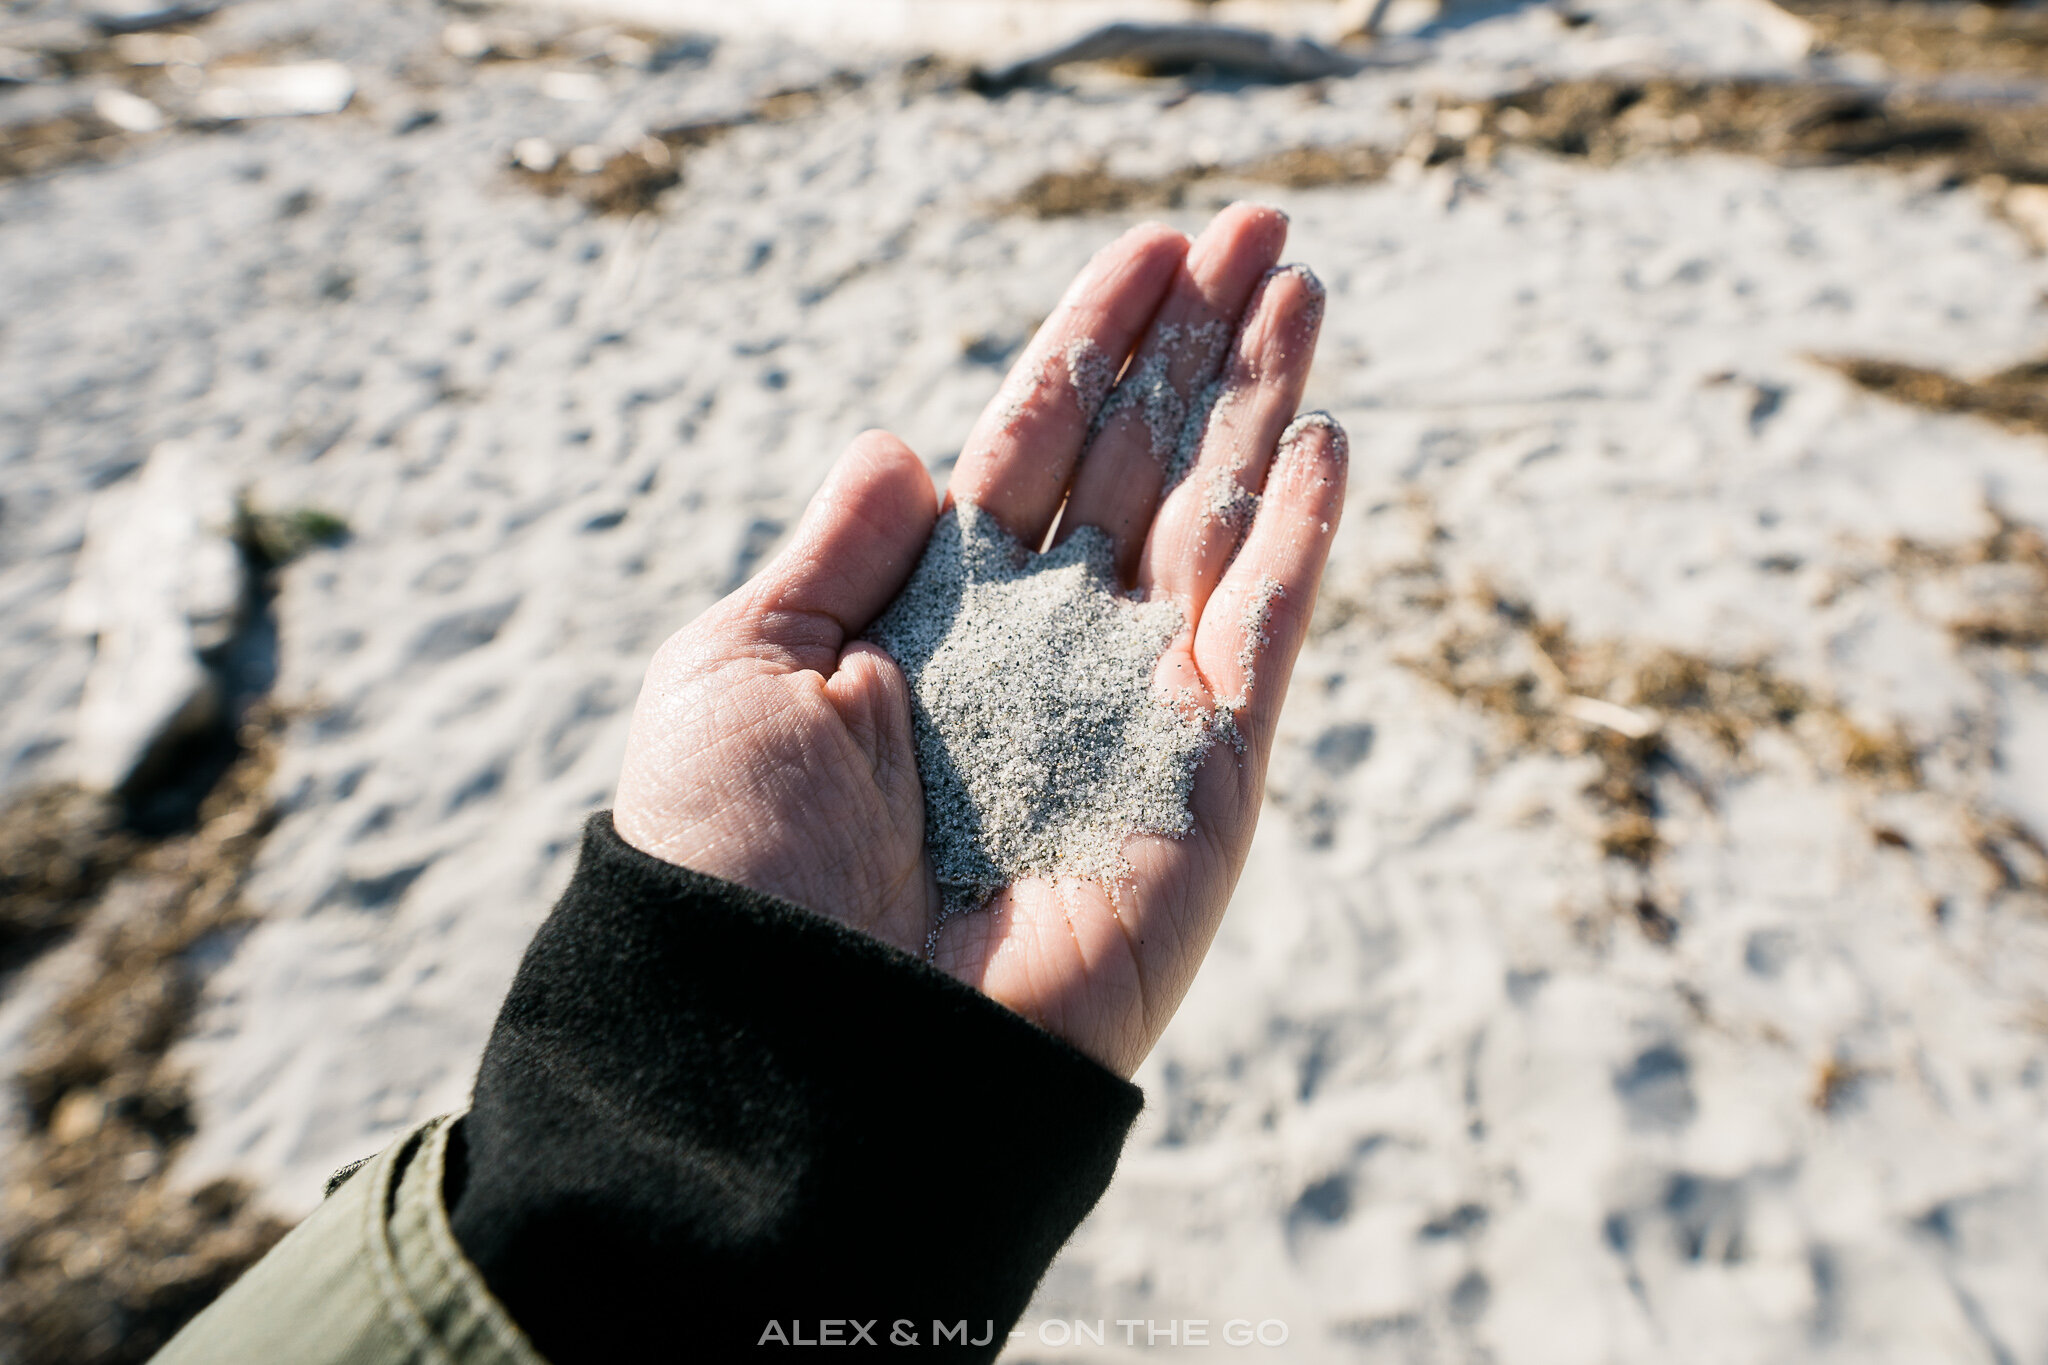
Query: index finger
point(1021, 453)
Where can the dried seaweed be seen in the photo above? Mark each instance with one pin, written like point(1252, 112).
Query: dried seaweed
point(2015, 397)
point(1655, 722)
point(1932, 39)
point(1791, 122)
point(1607, 120)
point(104, 1259)
point(49, 144)
point(59, 847)
point(633, 179)
point(2016, 616)
point(1094, 189)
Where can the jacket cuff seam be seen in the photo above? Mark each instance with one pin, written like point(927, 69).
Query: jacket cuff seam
point(399, 1308)
point(460, 1309)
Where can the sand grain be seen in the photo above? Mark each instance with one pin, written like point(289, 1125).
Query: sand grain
point(1040, 739)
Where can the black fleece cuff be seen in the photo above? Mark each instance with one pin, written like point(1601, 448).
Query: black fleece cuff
point(705, 1111)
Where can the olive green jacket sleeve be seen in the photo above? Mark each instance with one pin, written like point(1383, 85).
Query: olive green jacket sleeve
point(373, 1277)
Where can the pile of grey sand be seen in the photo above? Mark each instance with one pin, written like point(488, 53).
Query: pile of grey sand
point(1041, 741)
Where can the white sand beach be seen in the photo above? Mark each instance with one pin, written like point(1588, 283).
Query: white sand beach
point(1644, 953)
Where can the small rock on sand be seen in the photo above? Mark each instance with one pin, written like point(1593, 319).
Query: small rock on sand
point(158, 583)
point(276, 91)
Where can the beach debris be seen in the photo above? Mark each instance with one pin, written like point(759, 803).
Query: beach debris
point(621, 181)
point(141, 16)
point(59, 847)
point(1984, 39)
point(278, 538)
point(2015, 857)
point(1041, 741)
point(1623, 720)
point(2026, 208)
point(159, 49)
point(46, 144)
point(292, 90)
point(535, 154)
point(160, 587)
point(1607, 119)
point(1173, 49)
point(474, 42)
point(21, 67)
point(1374, 20)
point(1655, 725)
point(1836, 1082)
point(1989, 593)
point(1361, 18)
point(628, 179)
point(468, 41)
point(573, 87)
point(103, 1255)
point(1785, 33)
point(630, 51)
point(128, 112)
point(59, 34)
point(1095, 189)
point(602, 46)
point(2015, 397)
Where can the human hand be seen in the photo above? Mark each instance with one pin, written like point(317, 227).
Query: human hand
point(772, 747)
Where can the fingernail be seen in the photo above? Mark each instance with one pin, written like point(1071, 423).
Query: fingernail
point(1314, 295)
point(1295, 457)
point(1311, 283)
point(1273, 209)
point(1309, 279)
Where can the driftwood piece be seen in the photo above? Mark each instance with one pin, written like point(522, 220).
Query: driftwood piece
point(1165, 48)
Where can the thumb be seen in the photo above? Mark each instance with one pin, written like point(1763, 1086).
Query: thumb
point(852, 553)
point(872, 696)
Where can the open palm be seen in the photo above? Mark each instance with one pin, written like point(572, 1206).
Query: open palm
point(771, 746)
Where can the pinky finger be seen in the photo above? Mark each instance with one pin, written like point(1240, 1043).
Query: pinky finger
point(1254, 624)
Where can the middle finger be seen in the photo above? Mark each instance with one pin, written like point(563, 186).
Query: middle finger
point(1137, 444)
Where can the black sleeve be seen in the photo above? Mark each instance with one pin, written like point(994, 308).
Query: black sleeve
point(707, 1116)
